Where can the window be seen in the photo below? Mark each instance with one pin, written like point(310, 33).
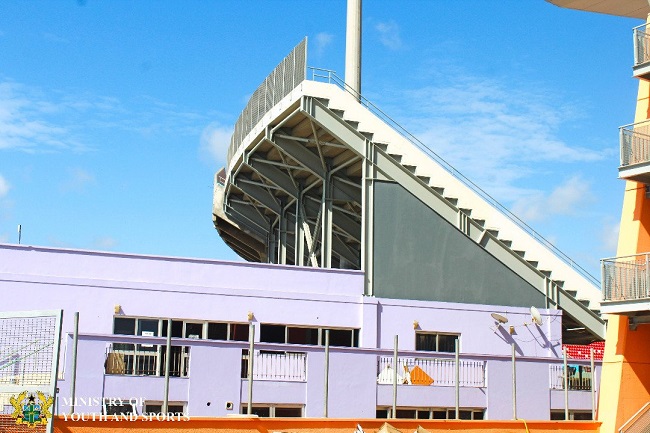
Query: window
point(270, 333)
point(435, 342)
point(271, 410)
point(193, 330)
point(558, 415)
point(239, 332)
point(155, 408)
point(117, 406)
point(273, 333)
point(430, 413)
point(217, 331)
point(302, 336)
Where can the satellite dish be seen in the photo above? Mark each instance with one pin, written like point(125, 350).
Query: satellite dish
point(534, 314)
point(499, 318)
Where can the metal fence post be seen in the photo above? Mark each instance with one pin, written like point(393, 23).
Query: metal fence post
point(327, 369)
point(73, 379)
point(251, 349)
point(457, 385)
point(514, 382)
point(395, 344)
point(168, 352)
point(566, 386)
point(593, 384)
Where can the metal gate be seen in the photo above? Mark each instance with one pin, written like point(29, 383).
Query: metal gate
point(29, 359)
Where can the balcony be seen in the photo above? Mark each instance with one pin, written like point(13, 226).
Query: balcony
point(626, 284)
point(145, 360)
point(635, 152)
point(434, 372)
point(641, 68)
point(278, 366)
point(580, 377)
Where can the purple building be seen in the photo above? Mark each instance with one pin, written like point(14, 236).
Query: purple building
point(125, 302)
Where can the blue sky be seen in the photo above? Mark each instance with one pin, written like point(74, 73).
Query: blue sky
point(115, 115)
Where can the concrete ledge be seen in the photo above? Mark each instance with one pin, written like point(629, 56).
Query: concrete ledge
point(319, 425)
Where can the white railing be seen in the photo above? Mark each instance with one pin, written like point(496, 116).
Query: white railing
point(329, 76)
point(441, 371)
point(626, 278)
point(283, 366)
point(580, 377)
point(145, 360)
point(283, 79)
point(635, 143)
point(641, 45)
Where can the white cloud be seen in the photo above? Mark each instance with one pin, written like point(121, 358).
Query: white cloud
point(77, 180)
point(567, 198)
point(496, 134)
point(215, 140)
point(389, 35)
point(323, 40)
point(26, 121)
point(4, 186)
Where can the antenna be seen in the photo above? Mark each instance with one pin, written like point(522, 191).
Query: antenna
point(535, 316)
point(499, 318)
point(20, 232)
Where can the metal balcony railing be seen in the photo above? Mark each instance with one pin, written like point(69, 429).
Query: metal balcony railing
point(626, 278)
point(281, 366)
point(635, 143)
point(580, 377)
point(441, 371)
point(145, 360)
point(641, 45)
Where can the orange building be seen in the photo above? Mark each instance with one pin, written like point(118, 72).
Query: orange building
point(625, 386)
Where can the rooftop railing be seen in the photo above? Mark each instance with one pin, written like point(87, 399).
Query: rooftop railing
point(626, 278)
point(641, 45)
point(635, 143)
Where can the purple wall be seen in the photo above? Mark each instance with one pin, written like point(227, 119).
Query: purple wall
point(94, 283)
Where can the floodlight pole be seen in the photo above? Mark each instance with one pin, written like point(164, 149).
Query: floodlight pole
point(353, 48)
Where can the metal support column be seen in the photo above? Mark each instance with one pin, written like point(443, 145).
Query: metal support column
point(299, 236)
point(326, 231)
point(282, 244)
point(367, 218)
point(273, 247)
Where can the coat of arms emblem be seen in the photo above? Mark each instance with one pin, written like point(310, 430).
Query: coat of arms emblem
point(31, 409)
